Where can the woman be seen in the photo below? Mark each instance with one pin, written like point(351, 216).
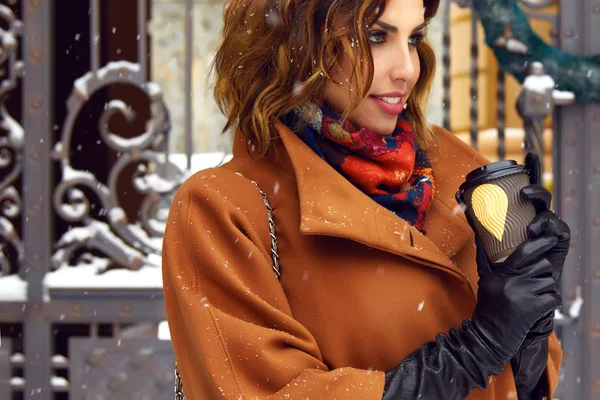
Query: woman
point(384, 290)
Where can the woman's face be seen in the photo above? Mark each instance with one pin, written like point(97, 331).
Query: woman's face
point(393, 40)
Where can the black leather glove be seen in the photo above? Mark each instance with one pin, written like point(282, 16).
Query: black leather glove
point(546, 221)
point(529, 363)
point(511, 298)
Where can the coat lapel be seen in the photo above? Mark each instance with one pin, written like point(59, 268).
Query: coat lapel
point(330, 205)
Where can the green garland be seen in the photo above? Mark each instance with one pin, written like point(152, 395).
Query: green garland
point(503, 19)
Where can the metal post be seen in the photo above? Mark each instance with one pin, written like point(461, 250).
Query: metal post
point(95, 35)
point(501, 115)
point(474, 77)
point(576, 147)
point(189, 43)
point(37, 215)
point(142, 38)
point(590, 216)
point(534, 104)
point(5, 368)
point(447, 65)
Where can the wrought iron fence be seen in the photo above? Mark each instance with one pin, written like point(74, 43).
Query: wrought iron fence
point(85, 190)
point(73, 327)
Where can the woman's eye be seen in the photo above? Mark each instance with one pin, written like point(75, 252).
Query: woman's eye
point(416, 39)
point(377, 37)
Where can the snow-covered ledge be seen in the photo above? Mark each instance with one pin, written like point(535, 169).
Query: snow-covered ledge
point(200, 161)
point(86, 277)
point(148, 277)
point(163, 331)
point(13, 288)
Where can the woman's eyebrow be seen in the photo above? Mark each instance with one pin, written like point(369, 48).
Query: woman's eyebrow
point(420, 27)
point(391, 28)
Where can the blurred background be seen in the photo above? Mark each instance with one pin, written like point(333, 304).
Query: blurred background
point(105, 111)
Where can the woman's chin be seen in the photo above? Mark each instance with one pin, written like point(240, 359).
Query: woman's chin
point(383, 124)
point(384, 130)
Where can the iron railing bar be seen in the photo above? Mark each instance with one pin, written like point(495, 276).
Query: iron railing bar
point(447, 65)
point(501, 98)
point(142, 37)
point(94, 330)
point(189, 43)
point(38, 180)
point(95, 35)
point(117, 330)
point(569, 150)
point(590, 216)
point(474, 77)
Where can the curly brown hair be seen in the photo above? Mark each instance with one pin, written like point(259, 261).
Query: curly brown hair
point(277, 54)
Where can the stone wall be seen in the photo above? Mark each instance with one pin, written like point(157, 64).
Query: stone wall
point(168, 71)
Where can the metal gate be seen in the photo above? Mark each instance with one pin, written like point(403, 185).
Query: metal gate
point(85, 189)
point(86, 180)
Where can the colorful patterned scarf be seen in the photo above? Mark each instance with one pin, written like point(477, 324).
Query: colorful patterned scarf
point(392, 170)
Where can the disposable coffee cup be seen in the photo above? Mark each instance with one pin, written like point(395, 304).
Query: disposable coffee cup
point(492, 195)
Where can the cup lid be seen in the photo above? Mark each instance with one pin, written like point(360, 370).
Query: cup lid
point(491, 171)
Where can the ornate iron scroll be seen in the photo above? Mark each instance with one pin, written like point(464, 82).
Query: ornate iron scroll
point(129, 245)
point(11, 140)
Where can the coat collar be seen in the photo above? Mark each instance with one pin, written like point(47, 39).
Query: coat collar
point(330, 205)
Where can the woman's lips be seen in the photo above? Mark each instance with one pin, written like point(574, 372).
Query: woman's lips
point(391, 109)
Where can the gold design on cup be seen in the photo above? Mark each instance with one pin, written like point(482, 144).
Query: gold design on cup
point(490, 204)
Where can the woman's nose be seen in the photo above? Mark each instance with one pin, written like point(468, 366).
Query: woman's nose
point(402, 64)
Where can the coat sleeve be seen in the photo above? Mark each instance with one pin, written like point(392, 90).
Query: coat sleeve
point(232, 329)
point(554, 362)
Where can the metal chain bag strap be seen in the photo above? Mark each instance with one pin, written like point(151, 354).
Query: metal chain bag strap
point(178, 384)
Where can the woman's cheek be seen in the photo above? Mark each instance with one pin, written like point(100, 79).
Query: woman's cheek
point(417, 64)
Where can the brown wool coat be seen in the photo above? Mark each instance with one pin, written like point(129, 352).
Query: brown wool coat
point(360, 288)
